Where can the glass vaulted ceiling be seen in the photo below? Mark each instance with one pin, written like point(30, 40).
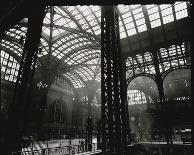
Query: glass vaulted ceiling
point(72, 34)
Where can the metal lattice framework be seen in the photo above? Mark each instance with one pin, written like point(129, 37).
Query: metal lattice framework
point(73, 34)
point(19, 108)
point(114, 135)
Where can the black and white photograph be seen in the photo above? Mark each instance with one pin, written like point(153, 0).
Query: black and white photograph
point(95, 78)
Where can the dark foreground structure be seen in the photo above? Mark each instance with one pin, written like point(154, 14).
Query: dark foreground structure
point(120, 74)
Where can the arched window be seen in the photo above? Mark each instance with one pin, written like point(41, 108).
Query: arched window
point(136, 97)
point(9, 67)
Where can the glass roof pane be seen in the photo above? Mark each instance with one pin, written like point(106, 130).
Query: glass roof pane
point(71, 44)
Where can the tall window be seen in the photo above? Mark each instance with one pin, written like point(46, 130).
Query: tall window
point(136, 97)
point(9, 67)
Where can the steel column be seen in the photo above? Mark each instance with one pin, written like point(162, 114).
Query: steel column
point(114, 128)
point(18, 110)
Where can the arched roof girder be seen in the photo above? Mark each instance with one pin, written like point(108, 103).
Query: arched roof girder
point(74, 79)
point(84, 56)
point(71, 45)
point(85, 67)
point(146, 84)
point(89, 58)
point(69, 40)
point(83, 52)
point(165, 73)
point(66, 68)
point(71, 17)
point(85, 19)
point(82, 34)
point(151, 76)
point(71, 53)
point(95, 72)
point(81, 72)
point(75, 21)
point(77, 76)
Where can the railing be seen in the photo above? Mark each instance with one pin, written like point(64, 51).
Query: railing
point(63, 150)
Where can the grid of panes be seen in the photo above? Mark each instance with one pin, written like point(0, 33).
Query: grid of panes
point(96, 61)
point(60, 19)
point(11, 46)
point(91, 55)
point(127, 21)
point(70, 44)
point(9, 67)
point(154, 16)
point(88, 17)
point(136, 97)
point(129, 69)
point(141, 62)
point(167, 13)
point(75, 55)
point(149, 63)
point(181, 10)
point(173, 56)
point(76, 81)
point(61, 82)
point(121, 29)
point(85, 73)
point(98, 77)
point(17, 32)
point(164, 60)
point(139, 18)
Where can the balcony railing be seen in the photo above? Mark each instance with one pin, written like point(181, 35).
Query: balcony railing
point(64, 150)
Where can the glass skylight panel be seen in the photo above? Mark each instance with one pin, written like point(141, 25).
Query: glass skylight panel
point(154, 16)
point(131, 32)
point(98, 13)
point(47, 31)
point(142, 28)
point(140, 21)
point(86, 12)
point(55, 32)
point(54, 53)
point(168, 19)
point(135, 6)
point(181, 10)
point(127, 15)
point(127, 20)
point(155, 23)
point(152, 9)
point(129, 26)
point(139, 15)
point(58, 56)
point(123, 8)
point(166, 11)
